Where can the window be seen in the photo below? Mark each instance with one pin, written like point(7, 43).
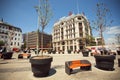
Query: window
point(15, 38)
point(14, 43)
point(18, 34)
point(2, 36)
point(80, 24)
point(3, 27)
point(62, 23)
point(71, 42)
point(79, 18)
point(18, 44)
point(11, 43)
point(5, 36)
point(81, 35)
point(11, 38)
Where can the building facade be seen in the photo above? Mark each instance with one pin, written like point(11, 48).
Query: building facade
point(71, 33)
point(98, 41)
point(11, 35)
point(30, 39)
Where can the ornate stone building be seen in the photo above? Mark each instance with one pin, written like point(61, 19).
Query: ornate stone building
point(71, 33)
point(11, 35)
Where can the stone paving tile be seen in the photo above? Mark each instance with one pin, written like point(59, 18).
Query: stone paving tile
point(16, 69)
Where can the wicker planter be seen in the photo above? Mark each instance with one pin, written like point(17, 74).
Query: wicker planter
point(105, 61)
point(41, 65)
point(91, 54)
point(85, 53)
point(7, 55)
point(69, 51)
point(118, 52)
point(118, 62)
point(53, 51)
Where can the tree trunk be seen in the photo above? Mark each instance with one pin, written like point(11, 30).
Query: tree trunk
point(37, 42)
point(42, 42)
point(101, 34)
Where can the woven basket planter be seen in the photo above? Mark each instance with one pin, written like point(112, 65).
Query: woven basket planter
point(41, 65)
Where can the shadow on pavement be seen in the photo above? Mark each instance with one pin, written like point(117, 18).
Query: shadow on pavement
point(52, 72)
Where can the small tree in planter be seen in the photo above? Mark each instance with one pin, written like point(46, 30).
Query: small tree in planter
point(102, 20)
point(8, 51)
point(53, 51)
point(117, 37)
point(69, 51)
point(49, 51)
point(118, 51)
point(78, 51)
point(85, 52)
point(41, 63)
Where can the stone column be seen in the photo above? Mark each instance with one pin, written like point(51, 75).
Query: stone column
point(77, 44)
point(73, 45)
point(65, 47)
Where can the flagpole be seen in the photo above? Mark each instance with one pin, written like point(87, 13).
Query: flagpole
point(77, 6)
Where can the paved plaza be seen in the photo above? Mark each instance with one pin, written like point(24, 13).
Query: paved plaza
point(20, 69)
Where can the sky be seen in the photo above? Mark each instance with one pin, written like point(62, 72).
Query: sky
point(22, 14)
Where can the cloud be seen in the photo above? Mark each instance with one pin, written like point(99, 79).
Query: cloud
point(110, 40)
point(110, 34)
point(114, 30)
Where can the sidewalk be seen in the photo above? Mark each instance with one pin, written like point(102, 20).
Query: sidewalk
point(20, 69)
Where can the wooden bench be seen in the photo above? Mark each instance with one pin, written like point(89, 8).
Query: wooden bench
point(0, 55)
point(83, 64)
point(24, 55)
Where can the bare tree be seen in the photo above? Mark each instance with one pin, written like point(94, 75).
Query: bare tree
point(11, 35)
point(117, 37)
point(44, 15)
point(102, 20)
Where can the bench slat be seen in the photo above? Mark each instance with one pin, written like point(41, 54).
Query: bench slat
point(78, 65)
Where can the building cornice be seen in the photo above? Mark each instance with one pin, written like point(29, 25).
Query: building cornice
point(6, 24)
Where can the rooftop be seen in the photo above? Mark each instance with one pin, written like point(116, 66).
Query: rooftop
point(69, 17)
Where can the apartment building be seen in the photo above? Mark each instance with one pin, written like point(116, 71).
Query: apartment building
point(31, 40)
point(98, 41)
point(11, 35)
point(71, 33)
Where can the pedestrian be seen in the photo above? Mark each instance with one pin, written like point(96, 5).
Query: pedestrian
point(4, 50)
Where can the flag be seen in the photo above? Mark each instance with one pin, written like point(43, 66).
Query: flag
point(70, 13)
point(83, 13)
